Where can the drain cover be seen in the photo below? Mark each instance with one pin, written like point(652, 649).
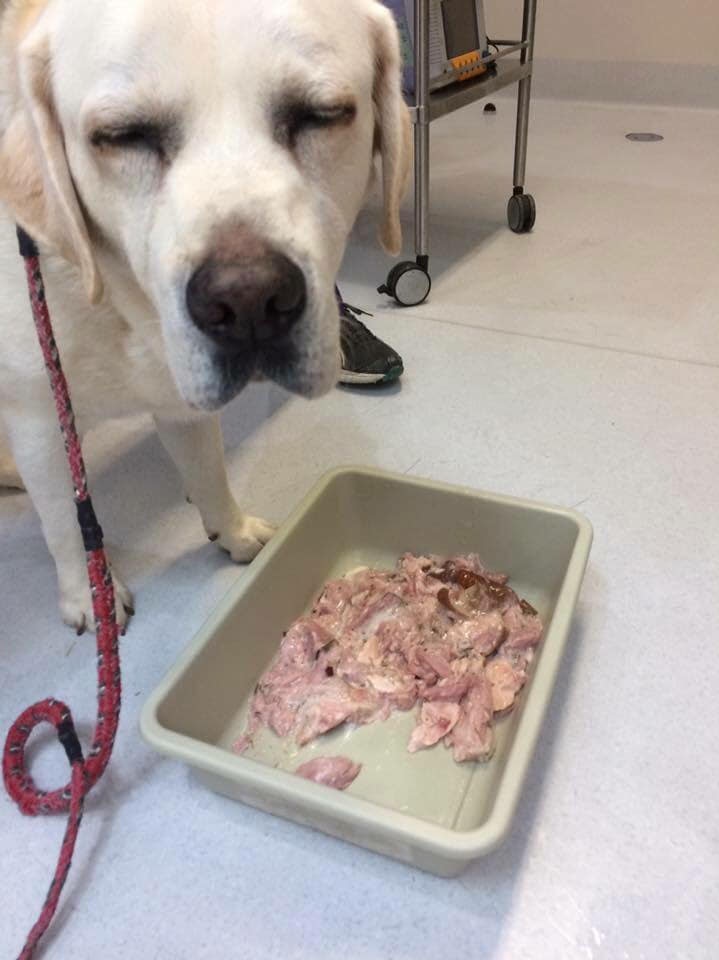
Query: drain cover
point(645, 137)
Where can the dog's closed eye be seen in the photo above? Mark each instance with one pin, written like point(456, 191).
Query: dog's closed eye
point(297, 117)
point(151, 136)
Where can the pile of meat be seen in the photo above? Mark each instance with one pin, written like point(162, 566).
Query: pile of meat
point(446, 634)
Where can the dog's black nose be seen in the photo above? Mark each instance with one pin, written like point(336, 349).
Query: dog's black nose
point(251, 298)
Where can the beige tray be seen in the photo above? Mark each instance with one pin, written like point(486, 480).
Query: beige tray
point(422, 808)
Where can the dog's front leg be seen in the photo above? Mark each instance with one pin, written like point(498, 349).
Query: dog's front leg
point(40, 457)
point(197, 450)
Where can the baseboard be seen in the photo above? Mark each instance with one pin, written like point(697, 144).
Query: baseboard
point(661, 84)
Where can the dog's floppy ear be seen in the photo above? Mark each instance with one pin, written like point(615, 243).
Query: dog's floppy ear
point(392, 135)
point(35, 180)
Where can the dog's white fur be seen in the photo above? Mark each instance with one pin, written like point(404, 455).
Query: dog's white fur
point(121, 231)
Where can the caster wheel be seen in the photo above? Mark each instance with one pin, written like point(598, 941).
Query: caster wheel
point(408, 283)
point(521, 212)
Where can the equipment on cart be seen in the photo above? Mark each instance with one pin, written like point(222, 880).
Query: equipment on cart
point(457, 40)
point(436, 35)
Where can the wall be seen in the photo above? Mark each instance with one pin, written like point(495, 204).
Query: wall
point(664, 51)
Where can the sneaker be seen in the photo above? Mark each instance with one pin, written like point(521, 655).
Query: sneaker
point(365, 358)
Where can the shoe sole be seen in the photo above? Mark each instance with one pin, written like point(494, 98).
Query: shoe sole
point(368, 379)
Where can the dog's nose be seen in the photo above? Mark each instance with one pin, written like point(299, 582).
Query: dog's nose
point(255, 298)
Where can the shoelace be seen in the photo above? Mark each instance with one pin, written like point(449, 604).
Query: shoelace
point(347, 308)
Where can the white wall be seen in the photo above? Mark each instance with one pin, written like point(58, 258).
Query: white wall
point(658, 50)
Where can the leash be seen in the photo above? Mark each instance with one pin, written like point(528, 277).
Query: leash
point(84, 772)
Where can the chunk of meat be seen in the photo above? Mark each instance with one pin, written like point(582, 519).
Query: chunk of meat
point(242, 743)
point(449, 688)
point(472, 737)
point(415, 572)
point(399, 691)
point(280, 695)
point(523, 629)
point(434, 661)
point(483, 633)
point(374, 611)
point(302, 641)
point(337, 772)
point(330, 704)
point(371, 652)
point(435, 721)
point(396, 685)
point(506, 682)
point(483, 596)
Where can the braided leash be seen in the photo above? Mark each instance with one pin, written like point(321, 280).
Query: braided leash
point(84, 773)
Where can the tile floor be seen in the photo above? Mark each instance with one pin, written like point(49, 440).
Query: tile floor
point(578, 365)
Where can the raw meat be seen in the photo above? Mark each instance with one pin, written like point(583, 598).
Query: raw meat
point(446, 634)
point(337, 772)
point(473, 736)
point(506, 681)
point(436, 719)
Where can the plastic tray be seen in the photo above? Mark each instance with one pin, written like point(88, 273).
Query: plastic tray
point(421, 808)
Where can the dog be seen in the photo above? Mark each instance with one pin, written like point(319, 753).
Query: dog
point(190, 170)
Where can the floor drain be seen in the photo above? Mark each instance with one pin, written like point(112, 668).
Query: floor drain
point(645, 137)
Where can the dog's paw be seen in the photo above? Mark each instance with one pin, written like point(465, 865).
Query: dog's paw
point(244, 538)
point(9, 477)
point(76, 607)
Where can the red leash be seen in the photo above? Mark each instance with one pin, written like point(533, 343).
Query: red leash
point(84, 772)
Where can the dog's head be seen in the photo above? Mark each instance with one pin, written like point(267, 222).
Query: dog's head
point(212, 154)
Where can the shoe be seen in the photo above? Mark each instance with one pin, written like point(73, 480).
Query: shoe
point(365, 358)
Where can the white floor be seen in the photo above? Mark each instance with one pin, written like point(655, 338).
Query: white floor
point(578, 365)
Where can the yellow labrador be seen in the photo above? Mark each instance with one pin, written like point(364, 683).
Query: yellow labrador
point(191, 170)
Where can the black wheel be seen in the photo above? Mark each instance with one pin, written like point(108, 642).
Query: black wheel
point(408, 283)
point(521, 212)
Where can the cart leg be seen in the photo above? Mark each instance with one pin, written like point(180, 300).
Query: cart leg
point(521, 209)
point(529, 20)
point(421, 133)
point(409, 282)
point(421, 193)
point(520, 143)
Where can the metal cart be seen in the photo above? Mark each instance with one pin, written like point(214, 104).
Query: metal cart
point(409, 282)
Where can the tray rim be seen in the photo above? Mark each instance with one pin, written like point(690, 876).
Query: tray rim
point(319, 800)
